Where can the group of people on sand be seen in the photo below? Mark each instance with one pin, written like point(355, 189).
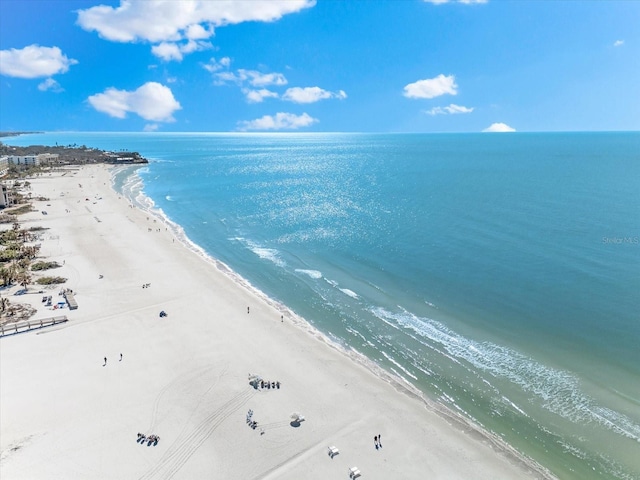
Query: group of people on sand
point(146, 285)
point(151, 439)
point(252, 423)
point(268, 385)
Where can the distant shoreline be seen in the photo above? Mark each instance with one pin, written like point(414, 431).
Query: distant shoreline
point(15, 134)
point(73, 154)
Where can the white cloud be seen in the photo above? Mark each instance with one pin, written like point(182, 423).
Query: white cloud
point(310, 94)
point(258, 79)
point(198, 32)
point(225, 77)
point(618, 43)
point(252, 77)
point(258, 96)
point(168, 51)
point(151, 127)
point(158, 21)
point(34, 61)
point(280, 121)
point(432, 87)
point(499, 127)
point(50, 84)
point(216, 65)
point(452, 109)
point(152, 101)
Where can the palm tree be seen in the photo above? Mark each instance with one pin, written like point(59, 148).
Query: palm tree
point(4, 304)
point(5, 276)
point(23, 278)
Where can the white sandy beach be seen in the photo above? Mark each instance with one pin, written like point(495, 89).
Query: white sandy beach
point(63, 415)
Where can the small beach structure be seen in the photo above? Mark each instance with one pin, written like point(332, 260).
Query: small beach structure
point(254, 380)
point(354, 472)
point(296, 419)
point(333, 451)
point(71, 300)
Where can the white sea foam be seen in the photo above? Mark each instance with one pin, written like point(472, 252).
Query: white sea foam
point(348, 292)
point(315, 274)
point(390, 358)
point(270, 254)
point(558, 391)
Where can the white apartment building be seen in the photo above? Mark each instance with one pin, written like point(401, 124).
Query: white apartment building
point(24, 160)
point(4, 165)
point(4, 196)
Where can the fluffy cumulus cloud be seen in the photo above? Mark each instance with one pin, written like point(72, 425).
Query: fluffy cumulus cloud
point(432, 87)
point(499, 127)
point(255, 78)
point(50, 85)
point(152, 101)
point(217, 65)
point(34, 61)
point(162, 21)
point(280, 121)
point(251, 81)
point(618, 43)
point(168, 51)
point(450, 110)
point(258, 96)
point(251, 77)
point(310, 94)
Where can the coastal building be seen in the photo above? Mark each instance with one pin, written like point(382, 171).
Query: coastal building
point(4, 165)
point(24, 160)
point(4, 196)
point(124, 157)
point(48, 158)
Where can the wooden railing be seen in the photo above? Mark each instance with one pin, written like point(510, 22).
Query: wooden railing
point(19, 327)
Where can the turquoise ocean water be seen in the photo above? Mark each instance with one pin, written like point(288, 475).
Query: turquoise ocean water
point(498, 273)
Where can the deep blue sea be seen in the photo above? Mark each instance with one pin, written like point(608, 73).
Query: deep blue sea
point(498, 273)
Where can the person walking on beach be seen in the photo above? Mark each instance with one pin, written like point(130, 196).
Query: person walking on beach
point(375, 441)
point(120, 357)
point(380, 440)
point(105, 361)
point(247, 309)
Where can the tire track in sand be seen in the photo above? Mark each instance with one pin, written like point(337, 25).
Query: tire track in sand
point(186, 445)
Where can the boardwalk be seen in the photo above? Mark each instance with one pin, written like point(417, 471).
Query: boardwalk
point(19, 327)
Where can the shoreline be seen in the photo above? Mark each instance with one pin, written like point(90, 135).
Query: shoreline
point(463, 439)
point(400, 384)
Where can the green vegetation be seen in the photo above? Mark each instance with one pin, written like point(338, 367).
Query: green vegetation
point(50, 280)
point(17, 262)
point(44, 266)
point(21, 210)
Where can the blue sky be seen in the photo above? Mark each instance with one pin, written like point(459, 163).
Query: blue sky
point(326, 65)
